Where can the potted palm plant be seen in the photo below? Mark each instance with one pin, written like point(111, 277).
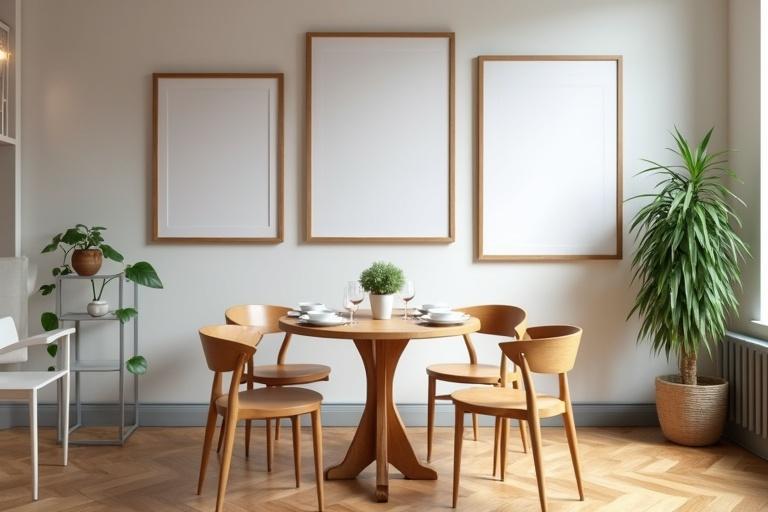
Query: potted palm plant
point(687, 263)
point(382, 280)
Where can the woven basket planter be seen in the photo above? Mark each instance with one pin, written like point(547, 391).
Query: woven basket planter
point(692, 415)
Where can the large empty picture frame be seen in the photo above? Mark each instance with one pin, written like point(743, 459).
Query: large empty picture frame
point(380, 136)
point(549, 158)
point(218, 157)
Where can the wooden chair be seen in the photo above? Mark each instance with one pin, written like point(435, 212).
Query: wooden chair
point(265, 318)
point(227, 348)
point(551, 349)
point(507, 321)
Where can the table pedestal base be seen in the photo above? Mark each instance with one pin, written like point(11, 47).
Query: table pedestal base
point(380, 436)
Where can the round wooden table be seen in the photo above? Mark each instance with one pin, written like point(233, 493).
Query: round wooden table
point(380, 436)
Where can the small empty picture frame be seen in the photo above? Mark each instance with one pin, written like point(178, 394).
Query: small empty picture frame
point(218, 157)
point(549, 158)
point(380, 132)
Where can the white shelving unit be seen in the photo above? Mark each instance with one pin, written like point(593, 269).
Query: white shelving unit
point(80, 366)
point(10, 150)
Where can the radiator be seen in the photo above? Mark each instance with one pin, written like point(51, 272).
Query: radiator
point(743, 362)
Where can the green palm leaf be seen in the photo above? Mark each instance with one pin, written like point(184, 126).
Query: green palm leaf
point(687, 256)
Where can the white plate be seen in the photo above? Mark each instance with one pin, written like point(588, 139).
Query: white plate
point(305, 320)
point(299, 313)
point(451, 321)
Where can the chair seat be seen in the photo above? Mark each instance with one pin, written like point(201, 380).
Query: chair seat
point(467, 373)
point(287, 374)
point(27, 381)
point(507, 402)
point(274, 402)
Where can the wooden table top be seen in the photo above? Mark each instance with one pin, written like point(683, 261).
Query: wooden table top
point(366, 328)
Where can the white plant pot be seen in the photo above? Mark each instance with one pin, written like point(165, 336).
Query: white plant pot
point(381, 306)
point(98, 308)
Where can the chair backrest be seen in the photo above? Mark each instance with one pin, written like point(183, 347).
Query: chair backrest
point(263, 317)
point(9, 336)
point(550, 349)
point(500, 320)
point(227, 347)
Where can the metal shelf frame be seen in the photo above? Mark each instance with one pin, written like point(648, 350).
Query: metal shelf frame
point(85, 365)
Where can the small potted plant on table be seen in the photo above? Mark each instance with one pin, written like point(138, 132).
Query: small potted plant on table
point(382, 280)
point(687, 262)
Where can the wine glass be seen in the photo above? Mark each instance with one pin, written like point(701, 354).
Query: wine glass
point(353, 296)
point(407, 292)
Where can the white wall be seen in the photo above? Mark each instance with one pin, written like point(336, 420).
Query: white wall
point(744, 139)
point(87, 130)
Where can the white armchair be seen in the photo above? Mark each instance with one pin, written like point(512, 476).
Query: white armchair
point(24, 385)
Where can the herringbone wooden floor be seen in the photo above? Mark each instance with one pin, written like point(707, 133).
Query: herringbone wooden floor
point(625, 469)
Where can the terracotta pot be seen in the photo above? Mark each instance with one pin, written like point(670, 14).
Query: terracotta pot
point(86, 262)
point(692, 415)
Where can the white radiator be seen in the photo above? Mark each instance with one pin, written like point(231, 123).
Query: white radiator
point(744, 363)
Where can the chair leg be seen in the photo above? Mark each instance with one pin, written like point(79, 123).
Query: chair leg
point(221, 434)
point(523, 434)
point(210, 429)
point(458, 436)
point(226, 459)
point(533, 423)
point(59, 411)
point(431, 391)
point(33, 440)
point(277, 429)
point(65, 420)
point(317, 445)
point(570, 432)
point(474, 426)
point(247, 438)
point(521, 423)
point(496, 440)
point(269, 445)
point(295, 427)
point(503, 448)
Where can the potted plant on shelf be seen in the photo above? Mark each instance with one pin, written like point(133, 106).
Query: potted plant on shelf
point(382, 280)
point(87, 247)
point(73, 243)
point(687, 262)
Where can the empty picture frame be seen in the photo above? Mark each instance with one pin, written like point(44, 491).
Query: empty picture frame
point(380, 137)
point(549, 171)
point(218, 157)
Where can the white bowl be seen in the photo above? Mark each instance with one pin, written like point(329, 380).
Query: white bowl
point(311, 306)
point(439, 305)
point(445, 314)
point(322, 316)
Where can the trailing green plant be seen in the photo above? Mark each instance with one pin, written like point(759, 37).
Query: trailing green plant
point(83, 237)
point(382, 278)
point(688, 254)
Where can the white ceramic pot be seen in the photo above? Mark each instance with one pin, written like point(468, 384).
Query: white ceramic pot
point(98, 308)
point(381, 306)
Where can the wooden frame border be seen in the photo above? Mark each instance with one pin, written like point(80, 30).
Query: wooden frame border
point(280, 160)
point(479, 256)
point(308, 237)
